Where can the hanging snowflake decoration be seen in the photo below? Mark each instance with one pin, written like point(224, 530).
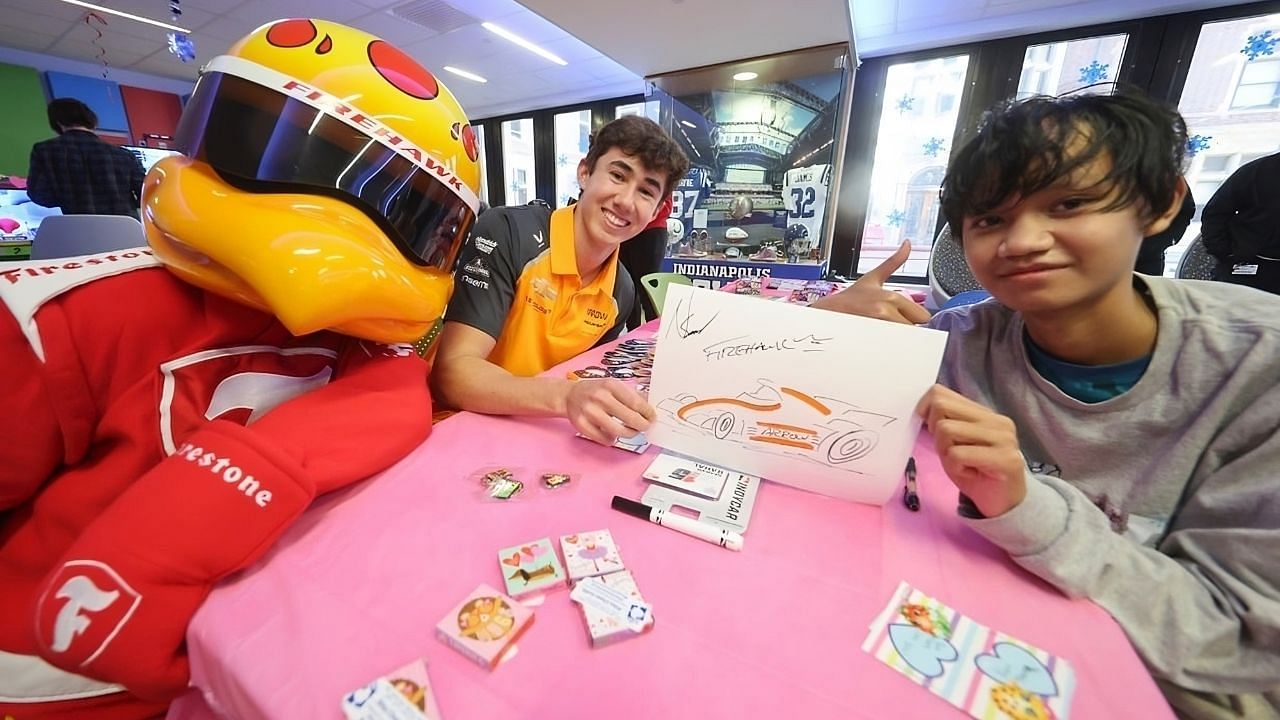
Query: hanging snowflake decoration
point(905, 103)
point(562, 160)
point(1264, 43)
point(933, 146)
point(181, 45)
point(896, 218)
point(1197, 143)
point(1094, 72)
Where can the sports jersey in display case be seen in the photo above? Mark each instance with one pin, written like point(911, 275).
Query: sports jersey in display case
point(762, 138)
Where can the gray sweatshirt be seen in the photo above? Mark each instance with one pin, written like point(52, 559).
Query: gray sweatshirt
point(1162, 504)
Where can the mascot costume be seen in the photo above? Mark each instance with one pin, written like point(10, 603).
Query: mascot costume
point(169, 410)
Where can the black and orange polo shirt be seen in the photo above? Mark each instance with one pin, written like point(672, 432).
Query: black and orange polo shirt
point(517, 281)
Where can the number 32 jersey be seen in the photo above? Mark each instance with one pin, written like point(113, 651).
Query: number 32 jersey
point(804, 194)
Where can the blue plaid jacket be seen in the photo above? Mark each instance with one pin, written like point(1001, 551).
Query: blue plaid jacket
point(82, 174)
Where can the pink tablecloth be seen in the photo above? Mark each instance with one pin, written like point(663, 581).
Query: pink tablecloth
point(356, 587)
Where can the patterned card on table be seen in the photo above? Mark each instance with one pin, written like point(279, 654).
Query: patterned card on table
point(530, 567)
point(590, 553)
point(983, 672)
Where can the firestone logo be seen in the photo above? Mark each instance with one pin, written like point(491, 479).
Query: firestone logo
point(83, 608)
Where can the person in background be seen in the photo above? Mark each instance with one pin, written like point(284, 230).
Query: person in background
point(1241, 225)
point(1113, 432)
point(536, 287)
point(1151, 251)
point(80, 173)
point(642, 255)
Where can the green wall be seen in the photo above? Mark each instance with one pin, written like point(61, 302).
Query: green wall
point(25, 122)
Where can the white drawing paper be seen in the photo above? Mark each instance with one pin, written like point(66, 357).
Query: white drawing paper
point(811, 398)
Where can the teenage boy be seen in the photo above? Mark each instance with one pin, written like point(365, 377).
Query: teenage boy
point(534, 288)
point(1115, 433)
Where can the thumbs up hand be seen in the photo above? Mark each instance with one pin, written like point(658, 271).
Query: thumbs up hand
point(869, 298)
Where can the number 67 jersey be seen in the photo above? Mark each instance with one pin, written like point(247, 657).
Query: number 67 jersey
point(804, 195)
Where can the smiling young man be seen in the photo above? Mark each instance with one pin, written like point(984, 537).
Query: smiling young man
point(535, 288)
point(1115, 433)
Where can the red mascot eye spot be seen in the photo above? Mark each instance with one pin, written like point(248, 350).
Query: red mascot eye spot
point(292, 33)
point(469, 142)
point(325, 45)
point(402, 71)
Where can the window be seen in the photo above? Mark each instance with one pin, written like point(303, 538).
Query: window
point(1069, 65)
point(519, 188)
point(484, 182)
point(1215, 163)
point(649, 109)
point(572, 133)
point(912, 146)
point(517, 160)
point(1259, 85)
point(1220, 101)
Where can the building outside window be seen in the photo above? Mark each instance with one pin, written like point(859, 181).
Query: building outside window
point(1231, 107)
point(517, 160)
point(917, 124)
point(572, 137)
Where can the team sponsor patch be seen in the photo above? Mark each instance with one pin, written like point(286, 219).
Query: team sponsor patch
point(476, 268)
point(481, 284)
point(535, 305)
point(543, 288)
point(485, 245)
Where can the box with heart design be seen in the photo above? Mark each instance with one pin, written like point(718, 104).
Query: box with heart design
point(531, 567)
point(588, 554)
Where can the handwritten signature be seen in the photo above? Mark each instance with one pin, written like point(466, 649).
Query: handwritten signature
point(742, 347)
point(687, 322)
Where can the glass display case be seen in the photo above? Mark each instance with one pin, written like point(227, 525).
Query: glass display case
point(765, 141)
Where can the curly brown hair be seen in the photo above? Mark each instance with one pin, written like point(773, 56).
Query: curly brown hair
point(646, 140)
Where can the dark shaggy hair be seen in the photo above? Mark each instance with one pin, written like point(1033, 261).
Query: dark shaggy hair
point(70, 112)
point(645, 139)
point(1025, 146)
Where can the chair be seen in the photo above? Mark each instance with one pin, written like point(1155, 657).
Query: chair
point(71, 235)
point(1196, 263)
point(949, 273)
point(656, 285)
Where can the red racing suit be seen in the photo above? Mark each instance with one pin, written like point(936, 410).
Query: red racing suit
point(155, 438)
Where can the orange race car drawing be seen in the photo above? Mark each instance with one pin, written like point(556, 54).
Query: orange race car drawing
point(785, 419)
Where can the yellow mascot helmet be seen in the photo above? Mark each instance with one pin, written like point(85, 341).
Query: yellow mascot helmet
point(327, 179)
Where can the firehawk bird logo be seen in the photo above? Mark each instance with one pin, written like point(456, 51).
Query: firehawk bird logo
point(84, 607)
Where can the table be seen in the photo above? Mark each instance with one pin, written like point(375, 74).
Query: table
point(355, 589)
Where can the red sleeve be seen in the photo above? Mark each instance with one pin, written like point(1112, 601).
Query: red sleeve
point(376, 410)
point(117, 606)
